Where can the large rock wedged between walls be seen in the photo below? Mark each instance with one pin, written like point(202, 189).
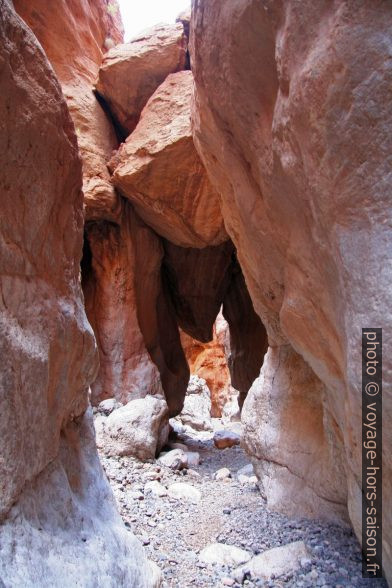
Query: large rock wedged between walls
point(131, 72)
point(292, 119)
point(109, 283)
point(159, 170)
point(54, 499)
point(75, 36)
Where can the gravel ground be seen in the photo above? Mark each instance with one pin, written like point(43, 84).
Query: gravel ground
point(175, 531)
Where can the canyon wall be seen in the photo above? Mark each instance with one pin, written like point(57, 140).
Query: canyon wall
point(292, 120)
point(57, 513)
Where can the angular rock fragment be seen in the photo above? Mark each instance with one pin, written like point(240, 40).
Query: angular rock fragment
point(131, 72)
point(159, 170)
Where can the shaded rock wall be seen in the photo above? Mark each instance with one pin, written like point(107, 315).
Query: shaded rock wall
point(54, 497)
point(292, 122)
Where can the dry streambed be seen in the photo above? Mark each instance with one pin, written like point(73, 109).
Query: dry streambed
point(203, 531)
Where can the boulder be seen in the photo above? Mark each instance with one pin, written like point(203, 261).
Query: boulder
point(224, 439)
point(156, 488)
point(185, 492)
point(224, 555)
point(222, 474)
point(106, 407)
point(276, 562)
point(134, 428)
point(197, 406)
point(158, 169)
point(131, 72)
point(176, 459)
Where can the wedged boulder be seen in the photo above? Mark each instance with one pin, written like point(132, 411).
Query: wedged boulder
point(74, 36)
point(109, 279)
point(131, 72)
point(293, 119)
point(159, 170)
point(134, 429)
point(198, 280)
point(156, 316)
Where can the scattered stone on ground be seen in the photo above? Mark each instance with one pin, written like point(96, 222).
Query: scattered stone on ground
point(224, 439)
point(175, 531)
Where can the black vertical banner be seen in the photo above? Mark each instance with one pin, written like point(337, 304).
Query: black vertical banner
point(372, 453)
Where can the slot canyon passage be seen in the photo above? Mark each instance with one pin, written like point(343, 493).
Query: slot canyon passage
point(195, 228)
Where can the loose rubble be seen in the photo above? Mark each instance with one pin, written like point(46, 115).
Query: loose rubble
point(195, 521)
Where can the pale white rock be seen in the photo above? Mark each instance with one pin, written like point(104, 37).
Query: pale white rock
point(222, 474)
point(224, 555)
point(154, 487)
point(176, 459)
point(183, 491)
point(247, 470)
point(106, 407)
point(277, 561)
point(243, 479)
point(193, 459)
point(196, 412)
point(134, 429)
point(231, 411)
point(224, 439)
point(66, 522)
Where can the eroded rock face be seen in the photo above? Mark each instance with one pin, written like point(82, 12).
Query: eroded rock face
point(131, 72)
point(295, 459)
point(74, 36)
point(109, 284)
point(44, 331)
point(293, 126)
point(209, 361)
point(159, 170)
point(248, 336)
point(54, 498)
point(198, 280)
point(156, 316)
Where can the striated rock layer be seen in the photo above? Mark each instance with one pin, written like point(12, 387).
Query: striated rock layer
point(54, 498)
point(75, 36)
point(292, 119)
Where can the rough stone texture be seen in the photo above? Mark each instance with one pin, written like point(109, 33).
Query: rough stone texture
point(47, 346)
point(222, 554)
point(248, 337)
point(109, 284)
point(198, 280)
point(73, 35)
point(68, 513)
point(196, 412)
point(156, 316)
point(273, 563)
point(134, 429)
point(285, 433)
point(293, 120)
point(208, 361)
point(56, 508)
point(131, 72)
point(159, 170)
